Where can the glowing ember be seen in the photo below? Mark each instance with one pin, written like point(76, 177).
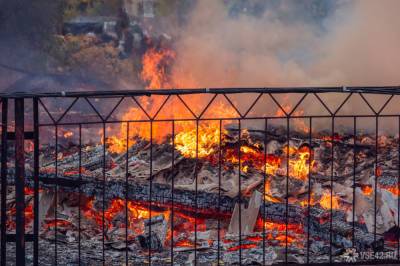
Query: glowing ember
point(277, 231)
point(244, 246)
point(325, 201)
point(68, 134)
point(184, 243)
point(394, 190)
point(367, 190)
point(268, 196)
point(138, 212)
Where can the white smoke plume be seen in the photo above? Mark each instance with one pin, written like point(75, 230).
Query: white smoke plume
point(357, 45)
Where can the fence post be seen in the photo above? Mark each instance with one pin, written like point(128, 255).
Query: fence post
point(19, 181)
point(4, 112)
point(36, 181)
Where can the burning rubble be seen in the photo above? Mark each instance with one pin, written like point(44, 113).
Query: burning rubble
point(207, 187)
point(195, 218)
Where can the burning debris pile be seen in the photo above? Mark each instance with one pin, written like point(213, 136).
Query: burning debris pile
point(176, 193)
point(198, 185)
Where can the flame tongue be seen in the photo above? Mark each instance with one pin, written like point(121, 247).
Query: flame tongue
point(155, 67)
point(200, 142)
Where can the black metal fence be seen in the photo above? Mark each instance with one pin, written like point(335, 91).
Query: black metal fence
point(42, 118)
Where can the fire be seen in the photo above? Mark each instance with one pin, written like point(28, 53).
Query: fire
point(277, 231)
point(116, 145)
point(207, 144)
point(299, 124)
point(59, 223)
point(29, 214)
point(252, 157)
point(155, 63)
point(184, 243)
point(68, 134)
point(137, 212)
point(367, 190)
point(243, 246)
point(394, 190)
point(324, 201)
point(300, 166)
point(155, 74)
point(192, 142)
point(268, 193)
point(281, 227)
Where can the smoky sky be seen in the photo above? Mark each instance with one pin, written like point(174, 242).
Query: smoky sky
point(290, 43)
point(245, 44)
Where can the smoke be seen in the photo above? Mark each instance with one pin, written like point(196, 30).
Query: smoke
point(364, 48)
point(356, 43)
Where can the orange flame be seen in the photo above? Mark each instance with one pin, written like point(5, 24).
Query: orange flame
point(324, 201)
point(207, 144)
point(268, 193)
point(155, 63)
point(68, 134)
point(367, 190)
point(277, 231)
point(300, 166)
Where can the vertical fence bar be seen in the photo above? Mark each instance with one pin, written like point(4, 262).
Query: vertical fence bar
point(309, 192)
point(376, 170)
point(36, 181)
point(196, 191)
point(56, 196)
point(331, 191)
point(398, 185)
point(172, 191)
point(4, 179)
point(126, 193)
point(239, 192)
point(103, 229)
point(151, 187)
point(264, 183)
point(287, 188)
point(354, 180)
point(219, 192)
point(79, 194)
point(19, 181)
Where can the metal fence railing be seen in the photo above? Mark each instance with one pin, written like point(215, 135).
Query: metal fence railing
point(81, 171)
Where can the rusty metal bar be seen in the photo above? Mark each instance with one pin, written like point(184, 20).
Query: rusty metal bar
point(19, 181)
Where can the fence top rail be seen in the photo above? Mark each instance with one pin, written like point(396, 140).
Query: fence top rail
point(117, 93)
